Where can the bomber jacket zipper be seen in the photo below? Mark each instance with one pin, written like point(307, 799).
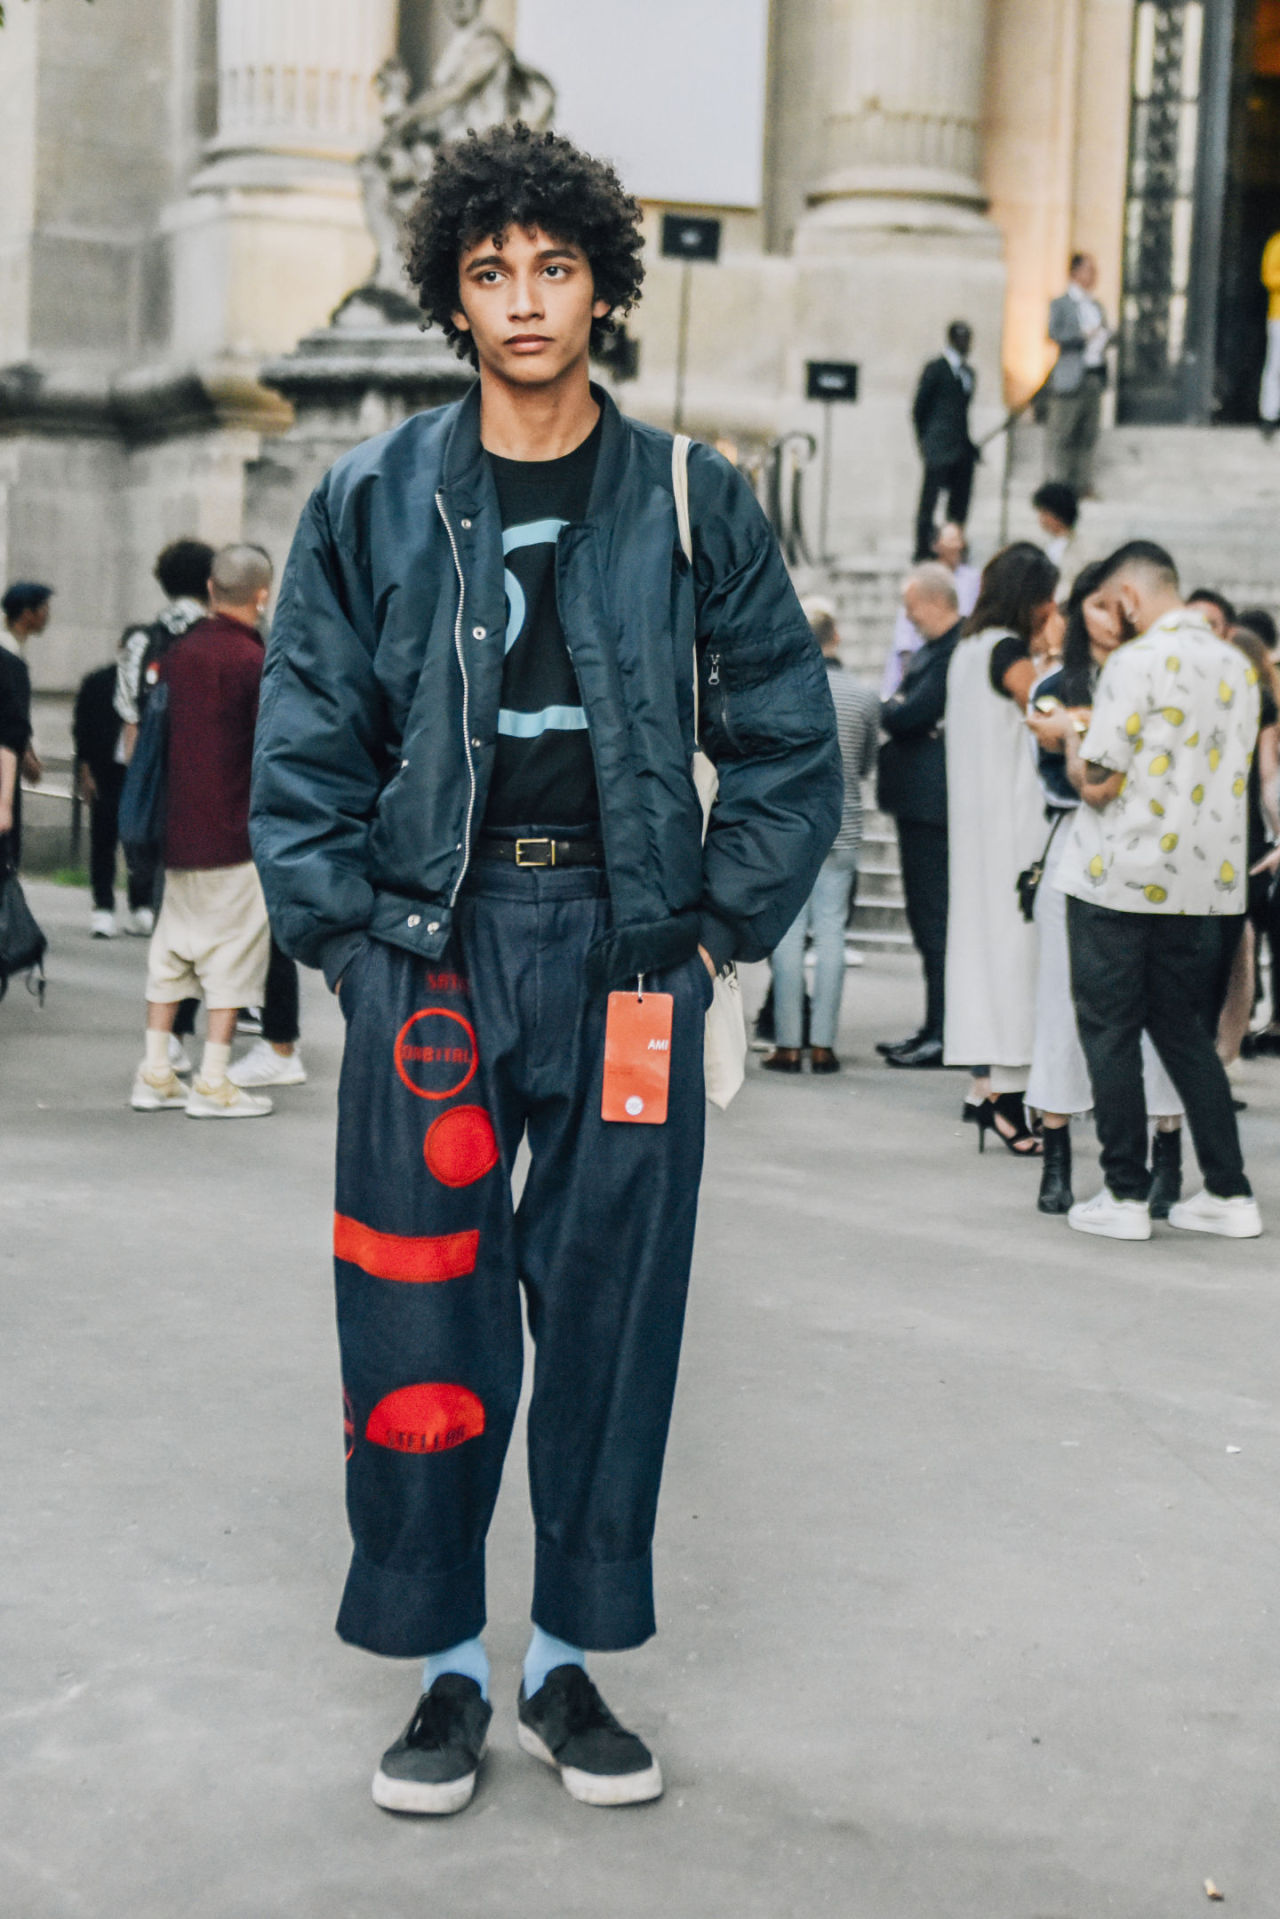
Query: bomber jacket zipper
point(466, 698)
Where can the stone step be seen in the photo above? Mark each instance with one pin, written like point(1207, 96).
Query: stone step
point(1211, 495)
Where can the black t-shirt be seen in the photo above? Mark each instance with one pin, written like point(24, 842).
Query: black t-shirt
point(15, 702)
point(543, 773)
point(1004, 654)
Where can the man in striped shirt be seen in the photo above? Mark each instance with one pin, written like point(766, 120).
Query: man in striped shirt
point(826, 911)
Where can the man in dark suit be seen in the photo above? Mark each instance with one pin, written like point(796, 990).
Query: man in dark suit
point(912, 786)
point(941, 418)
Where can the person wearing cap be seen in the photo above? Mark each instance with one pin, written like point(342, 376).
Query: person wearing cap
point(26, 611)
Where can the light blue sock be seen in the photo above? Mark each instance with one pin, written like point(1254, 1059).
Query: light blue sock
point(468, 1658)
point(545, 1653)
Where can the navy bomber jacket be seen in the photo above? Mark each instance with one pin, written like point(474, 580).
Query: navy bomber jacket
point(383, 679)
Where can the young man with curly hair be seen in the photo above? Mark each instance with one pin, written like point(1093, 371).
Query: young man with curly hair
point(474, 809)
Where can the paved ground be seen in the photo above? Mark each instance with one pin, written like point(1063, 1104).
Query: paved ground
point(968, 1555)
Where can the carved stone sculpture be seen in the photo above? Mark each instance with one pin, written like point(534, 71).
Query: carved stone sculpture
point(478, 83)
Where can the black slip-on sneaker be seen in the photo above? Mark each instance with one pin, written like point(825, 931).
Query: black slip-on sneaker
point(567, 1725)
point(432, 1766)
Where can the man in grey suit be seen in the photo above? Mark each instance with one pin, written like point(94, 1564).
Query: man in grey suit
point(1079, 326)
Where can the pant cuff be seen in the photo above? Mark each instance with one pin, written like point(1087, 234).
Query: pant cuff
point(408, 1614)
point(600, 1607)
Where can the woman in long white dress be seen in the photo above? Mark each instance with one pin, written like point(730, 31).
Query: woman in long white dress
point(995, 818)
point(1059, 1084)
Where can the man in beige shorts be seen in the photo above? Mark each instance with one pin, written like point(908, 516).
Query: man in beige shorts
point(212, 935)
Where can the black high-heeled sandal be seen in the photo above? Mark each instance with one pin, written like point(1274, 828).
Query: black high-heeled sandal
point(1021, 1142)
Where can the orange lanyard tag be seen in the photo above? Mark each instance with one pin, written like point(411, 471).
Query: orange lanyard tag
point(637, 1058)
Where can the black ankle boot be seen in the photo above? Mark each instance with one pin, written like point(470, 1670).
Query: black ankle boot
point(1166, 1173)
point(1055, 1181)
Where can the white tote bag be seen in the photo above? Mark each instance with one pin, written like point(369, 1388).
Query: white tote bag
point(725, 1052)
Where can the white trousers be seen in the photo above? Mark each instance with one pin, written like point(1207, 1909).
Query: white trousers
point(1059, 1081)
point(1269, 397)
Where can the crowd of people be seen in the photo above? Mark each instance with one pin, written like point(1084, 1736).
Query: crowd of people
point(1085, 791)
point(1017, 843)
point(192, 889)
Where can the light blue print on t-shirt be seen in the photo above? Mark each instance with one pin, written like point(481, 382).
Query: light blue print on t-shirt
point(551, 719)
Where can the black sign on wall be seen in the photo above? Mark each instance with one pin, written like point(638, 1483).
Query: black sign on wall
point(687, 236)
point(831, 380)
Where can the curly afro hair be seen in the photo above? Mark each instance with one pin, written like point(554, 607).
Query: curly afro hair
point(511, 176)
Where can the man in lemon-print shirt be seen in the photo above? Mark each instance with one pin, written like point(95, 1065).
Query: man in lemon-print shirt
point(1156, 859)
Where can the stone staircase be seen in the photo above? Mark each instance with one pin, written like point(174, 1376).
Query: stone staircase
point(1211, 495)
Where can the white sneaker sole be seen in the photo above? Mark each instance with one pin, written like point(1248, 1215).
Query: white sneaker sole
point(148, 1103)
point(1110, 1228)
point(227, 1112)
point(410, 1795)
point(1245, 1226)
point(594, 1788)
point(250, 1082)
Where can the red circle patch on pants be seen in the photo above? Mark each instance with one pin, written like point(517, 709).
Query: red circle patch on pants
point(425, 1419)
point(460, 1146)
point(435, 1053)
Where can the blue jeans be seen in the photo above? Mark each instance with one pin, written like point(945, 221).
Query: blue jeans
point(826, 912)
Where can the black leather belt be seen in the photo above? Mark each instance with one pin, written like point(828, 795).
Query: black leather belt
point(541, 852)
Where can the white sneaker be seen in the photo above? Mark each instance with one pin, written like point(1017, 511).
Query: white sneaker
point(263, 1066)
point(224, 1101)
point(157, 1092)
point(1204, 1212)
point(1111, 1217)
point(102, 924)
point(179, 1058)
point(141, 922)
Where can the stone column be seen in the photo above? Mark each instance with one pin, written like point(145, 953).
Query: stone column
point(271, 234)
point(894, 244)
point(903, 110)
point(295, 77)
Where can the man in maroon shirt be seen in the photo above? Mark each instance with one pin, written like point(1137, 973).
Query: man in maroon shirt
point(212, 935)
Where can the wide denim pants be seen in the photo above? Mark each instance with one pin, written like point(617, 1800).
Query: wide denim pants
point(447, 1067)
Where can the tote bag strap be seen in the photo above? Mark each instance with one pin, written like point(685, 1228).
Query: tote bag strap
point(680, 488)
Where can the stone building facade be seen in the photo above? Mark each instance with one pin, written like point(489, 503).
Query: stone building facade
point(182, 205)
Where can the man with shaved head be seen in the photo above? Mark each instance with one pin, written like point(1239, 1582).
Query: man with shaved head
point(212, 936)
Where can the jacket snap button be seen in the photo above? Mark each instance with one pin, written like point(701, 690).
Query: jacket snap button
point(466, 526)
point(477, 742)
point(477, 632)
point(415, 919)
point(434, 926)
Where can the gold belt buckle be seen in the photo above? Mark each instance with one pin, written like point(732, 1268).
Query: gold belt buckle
point(522, 861)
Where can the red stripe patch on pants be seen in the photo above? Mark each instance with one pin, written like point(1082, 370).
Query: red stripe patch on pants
point(435, 1256)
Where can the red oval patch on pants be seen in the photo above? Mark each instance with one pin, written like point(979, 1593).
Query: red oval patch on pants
point(425, 1419)
point(426, 1257)
point(460, 1146)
